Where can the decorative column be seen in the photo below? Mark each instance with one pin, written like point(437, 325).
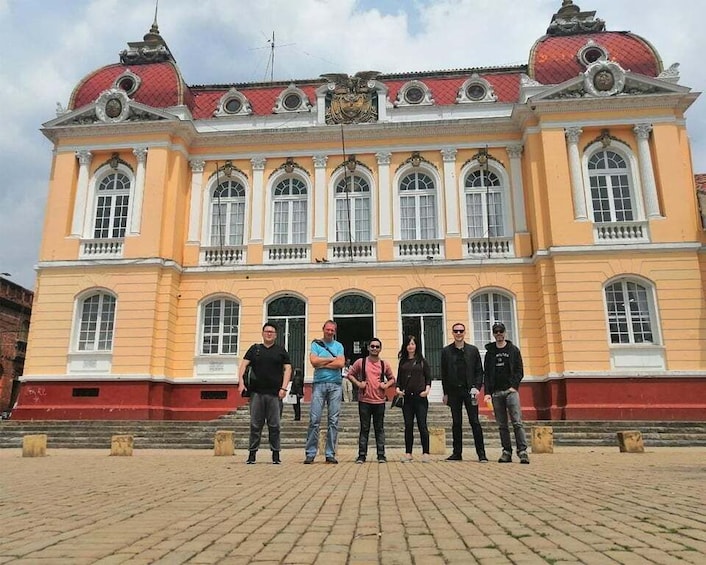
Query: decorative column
point(197, 204)
point(518, 193)
point(649, 186)
point(450, 193)
point(139, 193)
point(577, 192)
point(385, 216)
point(258, 199)
point(320, 192)
point(84, 161)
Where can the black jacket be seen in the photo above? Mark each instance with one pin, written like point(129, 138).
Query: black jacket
point(515, 361)
point(474, 372)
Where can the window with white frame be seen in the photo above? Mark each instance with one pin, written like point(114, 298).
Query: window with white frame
point(289, 209)
point(417, 207)
point(96, 323)
point(611, 192)
point(228, 213)
point(484, 204)
point(220, 320)
point(112, 206)
point(631, 316)
point(353, 209)
point(488, 308)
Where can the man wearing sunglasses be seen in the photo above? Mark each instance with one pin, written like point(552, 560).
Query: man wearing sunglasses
point(461, 379)
point(503, 373)
point(372, 377)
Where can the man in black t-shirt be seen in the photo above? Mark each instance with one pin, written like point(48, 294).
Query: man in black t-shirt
point(503, 373)
point(272, 368)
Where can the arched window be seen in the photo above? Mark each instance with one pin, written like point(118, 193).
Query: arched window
point(288, 315)
point(220, 320)
point(112, 206)
point(612, 196)
point(289, 212)
point(353, 313)
point(488, 308)
point(484, 204)
point(228, 213)
point(631, 314)
point(353, 209)
point(96, 322)
point(417, 207)
point(423, 317)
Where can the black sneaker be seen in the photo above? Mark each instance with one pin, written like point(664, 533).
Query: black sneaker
point(382, 459)
point(483, 459)
point(524, 458)
point(275, 458)
point(309, 460)
point(454, 457)
point(505, 457)
point(332, 461)
point(251, 458)
point(360, 460)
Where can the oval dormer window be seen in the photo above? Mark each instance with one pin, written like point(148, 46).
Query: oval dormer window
point(233, 106)
point(475, 91)
point(413, 95)
point(292, 101)
point(127, 84)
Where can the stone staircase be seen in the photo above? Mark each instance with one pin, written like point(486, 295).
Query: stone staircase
point(96, 434)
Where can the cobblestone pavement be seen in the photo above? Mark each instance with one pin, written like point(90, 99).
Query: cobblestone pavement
point(578, 505)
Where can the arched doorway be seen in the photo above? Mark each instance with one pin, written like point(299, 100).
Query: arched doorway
point(353, 313)
point(423, 317)
point(288, 314)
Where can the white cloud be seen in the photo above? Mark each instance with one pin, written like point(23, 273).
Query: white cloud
point(224, 41)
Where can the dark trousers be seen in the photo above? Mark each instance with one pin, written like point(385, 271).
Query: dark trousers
point(377, 412)
point(456, 403)
point(297, 409)
point(264, 408)
point(415, 406)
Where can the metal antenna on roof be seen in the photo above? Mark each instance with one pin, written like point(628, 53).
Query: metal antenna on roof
point(156, 9)
point(272, 46)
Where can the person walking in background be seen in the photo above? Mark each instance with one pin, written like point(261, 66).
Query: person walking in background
point(297, 390)
point(327, 358)
point(372, 376)
point(272, 368)
point(503, 373)
point(461, 378)
point(414, 384)
point(347, 385)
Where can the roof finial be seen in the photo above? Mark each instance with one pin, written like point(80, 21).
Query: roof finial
point(570, 20)
point(153, 33)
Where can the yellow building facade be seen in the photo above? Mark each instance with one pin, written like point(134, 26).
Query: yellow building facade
point(557, 197)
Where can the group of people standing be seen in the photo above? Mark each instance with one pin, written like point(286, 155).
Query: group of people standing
point(463, 374)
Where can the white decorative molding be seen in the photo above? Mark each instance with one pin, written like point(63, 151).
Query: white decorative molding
point(285, 103)
point(671, 74)
point(475, 89)
point(414, 93)
point(604, 78)
point(573, 134)
point(233, 95)
point(113, 106)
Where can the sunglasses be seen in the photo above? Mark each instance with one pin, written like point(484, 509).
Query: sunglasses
point(496, 332)
point(458, 331)
point(373, 347)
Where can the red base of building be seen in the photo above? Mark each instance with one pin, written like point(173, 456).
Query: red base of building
point(639, 398)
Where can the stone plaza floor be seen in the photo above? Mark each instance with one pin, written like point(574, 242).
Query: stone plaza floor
point(577, 505)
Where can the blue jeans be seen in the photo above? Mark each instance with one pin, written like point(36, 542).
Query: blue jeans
point(506, 402)
point(329, 394)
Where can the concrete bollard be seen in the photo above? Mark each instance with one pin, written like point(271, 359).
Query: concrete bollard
point(223, 443)
point(437, 441)
point(630, 441)
point(121, 445)
point(34, 445)
point(542, 439)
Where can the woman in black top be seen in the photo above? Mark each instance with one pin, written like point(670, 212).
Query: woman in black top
point(414, 384)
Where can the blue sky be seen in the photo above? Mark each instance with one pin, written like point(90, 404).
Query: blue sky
point(48, 46)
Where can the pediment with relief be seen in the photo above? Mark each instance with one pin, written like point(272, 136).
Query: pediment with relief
point(111, 107)
point(604, 79)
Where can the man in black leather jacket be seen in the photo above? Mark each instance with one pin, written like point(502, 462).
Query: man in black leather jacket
point(461, 378)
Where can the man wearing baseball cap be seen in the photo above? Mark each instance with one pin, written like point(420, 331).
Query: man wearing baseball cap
point(503, 373)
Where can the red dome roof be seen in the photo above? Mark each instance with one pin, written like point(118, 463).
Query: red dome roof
point(554, 59)
point(161, 85)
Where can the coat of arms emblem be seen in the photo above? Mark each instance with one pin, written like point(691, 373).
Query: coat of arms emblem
point(352, 99)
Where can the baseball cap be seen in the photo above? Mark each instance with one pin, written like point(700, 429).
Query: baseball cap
point(499, 326)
